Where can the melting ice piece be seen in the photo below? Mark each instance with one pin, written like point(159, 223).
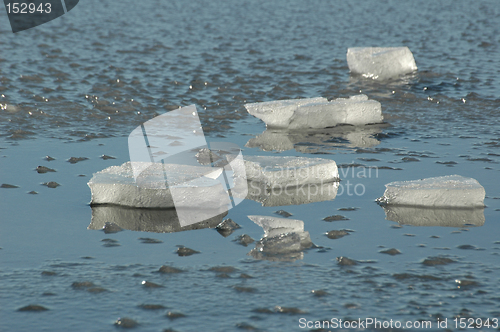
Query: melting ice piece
point(445, 217)
point(380, 62)
point(281, 172)
point(150, 220)
point(445, 191)
point(284, 239)
point(317, 112)
point(117, 185)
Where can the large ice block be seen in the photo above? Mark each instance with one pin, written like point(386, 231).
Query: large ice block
point(117, 185)
point(283, 240)
point(284, 172)
point(317, 112)
point(380, 62)
point(445, 191)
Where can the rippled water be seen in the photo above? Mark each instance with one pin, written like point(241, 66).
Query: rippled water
point(77, 86)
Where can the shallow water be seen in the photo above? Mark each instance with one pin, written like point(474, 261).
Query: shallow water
point(80, 84)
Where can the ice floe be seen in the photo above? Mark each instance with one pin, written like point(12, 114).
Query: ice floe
point(445, 191)
point(317, 112)
point(380, 62)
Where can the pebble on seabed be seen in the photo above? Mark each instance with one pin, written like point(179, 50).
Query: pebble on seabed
point(43, 169)
point(336, 217)
point(33, 307)
point(244, 240)
point(227, 227)
point(319, 292)
point(111, 227)
point(33, 192)
point(223, 269)
point(344, 261)
point(174, 315)
point(51, 184)
point(288, 310)
point(392, 251)
point(336, 234)
point(8, 186)
point(185, 251)
point(148, 284)
point(433, 261)
point(106, 157)
point(74, 160)
point(169, 269)
point(241, 289)
point(149, 240)
point(283, 213)
point(126, 322)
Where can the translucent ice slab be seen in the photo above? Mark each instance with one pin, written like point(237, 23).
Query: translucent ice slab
point(380, 62)
point(445, 191)
point(284, 239)
point(317, 112)
point(117, 185)
point(290, 171)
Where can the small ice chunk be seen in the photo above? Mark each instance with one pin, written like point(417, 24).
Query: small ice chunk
point(317, 112)
point(117, 185)
point(281, 235)
point(445, 191)
point(281, 172)
point(278, 113)
point(380, 62)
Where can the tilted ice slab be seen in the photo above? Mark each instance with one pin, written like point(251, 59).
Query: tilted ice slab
point(284, 239)
point(445, 191)
point(117, 185)
point(380, 62)
point(317, 112)
point(290, 171)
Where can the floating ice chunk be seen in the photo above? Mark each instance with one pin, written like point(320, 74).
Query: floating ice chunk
point(278, 113)
point(117, 185)
point(445, 191)
point(284, 239)
point(317, 112)
point(151, 220)
point(445, 217)
point(284, 172)
point(380, 62)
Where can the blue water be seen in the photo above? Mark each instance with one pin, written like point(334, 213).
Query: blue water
point(83, 82)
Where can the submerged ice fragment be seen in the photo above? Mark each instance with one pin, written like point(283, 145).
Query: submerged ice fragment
point(380, 62)
point(317, 112)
